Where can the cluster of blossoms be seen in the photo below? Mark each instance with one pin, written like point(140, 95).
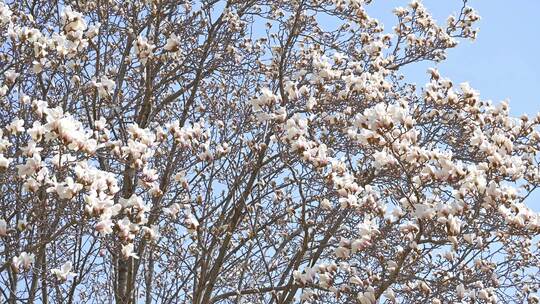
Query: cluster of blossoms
point(421, 33)
point(440, 187)
point(71, 148)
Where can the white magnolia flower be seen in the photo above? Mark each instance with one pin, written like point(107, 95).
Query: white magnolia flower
point(367, 297)
point(483, 294)
point(105, 87)
point(172, 43)
point(5, 13)
point(151, 232)
point(127, 251)
point(104, 226)
point(143, 49)
point(11, 75)
point(93, 30)
point(64, 272)
point(191, 223)
point(24, 260)
point(16, 126)
point(382, 159)
point(73, 21)
point(325, 204)
point(172, 210)
point(65, 190)
point(4, 162)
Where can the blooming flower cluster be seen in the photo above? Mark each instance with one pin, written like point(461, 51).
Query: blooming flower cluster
point(180, 153)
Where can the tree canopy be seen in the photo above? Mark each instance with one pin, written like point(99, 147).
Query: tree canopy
point(250, 151)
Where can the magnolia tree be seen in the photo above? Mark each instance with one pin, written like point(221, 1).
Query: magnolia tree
point(250, 151)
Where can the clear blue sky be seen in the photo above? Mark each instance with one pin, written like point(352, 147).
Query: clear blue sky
point(502, 63)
